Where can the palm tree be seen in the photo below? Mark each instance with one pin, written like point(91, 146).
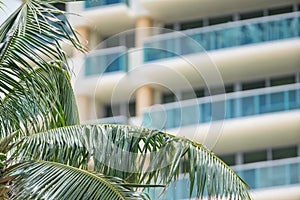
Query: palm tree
point(46, 154)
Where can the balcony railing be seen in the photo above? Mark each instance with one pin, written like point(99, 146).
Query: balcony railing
point(221, 36)
point(105, 61)
point(274, 173)
point(270, 173)
point(97, 3)
point(219, 107)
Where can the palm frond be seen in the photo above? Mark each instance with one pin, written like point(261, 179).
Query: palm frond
point(31, 37)
point(44, 100)
point(135, 154)
point(49, 180)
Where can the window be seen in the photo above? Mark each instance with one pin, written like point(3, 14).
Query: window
point(112, 42)
point(220, 20)
point(228, 159)
point(281, 10)
point(60, 6)
point(251, 15)
point(169, 26)
point(256, 156)
point(286, 152)
point(191, 24)
point(253, 85)
point(130, 40)
point(229, 88)
point(110, 111)
point(283, 80)
point(197, 93)
point(131, 109)
point(168, 97)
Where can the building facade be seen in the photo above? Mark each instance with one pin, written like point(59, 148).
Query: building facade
point(223, 73)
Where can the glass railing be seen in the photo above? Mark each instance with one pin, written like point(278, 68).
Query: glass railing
point(221, 36)
point(219, 107)
point(275, 173)
point(105, 61)
point(109, 120)
point(97, 3)
point(270, 173)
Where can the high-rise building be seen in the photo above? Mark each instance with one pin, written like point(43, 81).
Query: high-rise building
point(223, 73)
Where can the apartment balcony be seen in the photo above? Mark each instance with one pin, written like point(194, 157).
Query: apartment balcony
point(98, 3)
point(222, 36)
point(219, 107)
point(104, 61)
point(269, 175)
point(102, 13)
point(192, 9)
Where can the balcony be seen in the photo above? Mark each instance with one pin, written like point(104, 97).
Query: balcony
point(261, 175)
point(105, 61)
point(233, 34)
point(220, 107)
point(98, 3)
point(270, 173)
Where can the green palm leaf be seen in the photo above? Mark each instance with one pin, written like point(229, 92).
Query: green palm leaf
point(44, 101)
point(135, 154)
point(30, 38)
point(49, 180)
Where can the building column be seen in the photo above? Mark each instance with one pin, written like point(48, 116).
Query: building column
point(143, 30)
point(144, 94)
point(144, 98)
point(83, 36)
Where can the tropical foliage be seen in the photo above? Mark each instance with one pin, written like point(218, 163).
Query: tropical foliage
point(46, 154)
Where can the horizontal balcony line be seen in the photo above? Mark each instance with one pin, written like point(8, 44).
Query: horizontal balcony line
point(267, 163)
point(222, 26)
point(223, 107)
point(231, 34)
point(270, 173)
point(227, 96)
point(274, 173)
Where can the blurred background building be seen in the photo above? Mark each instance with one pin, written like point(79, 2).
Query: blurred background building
point(253, 46)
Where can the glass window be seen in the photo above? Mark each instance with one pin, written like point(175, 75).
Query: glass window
point(253, 85)
point(281, 10)
point(168, 97)
point(191, 24)
point(251, 15)
point(110, 111)
point(256, 156)
point(283, 80)
point(229, 88)
point(130, 40)
point(228, 159)
point(220, 20)
point(112, 42)
point(169, 26)
point(220, 90)
point(197, 93)
point(60, 6)
point(286, 152)
point(131, 109)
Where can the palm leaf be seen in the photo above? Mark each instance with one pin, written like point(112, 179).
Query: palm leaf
point(49, 180)
point(29, 38)
point(135, 154)
point(44, 101)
